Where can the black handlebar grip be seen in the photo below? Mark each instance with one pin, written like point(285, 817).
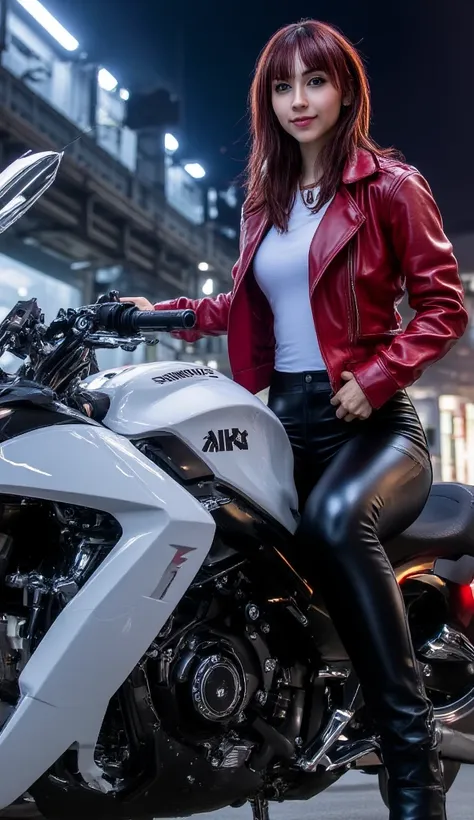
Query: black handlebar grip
point(164, 320)
point(125, 319)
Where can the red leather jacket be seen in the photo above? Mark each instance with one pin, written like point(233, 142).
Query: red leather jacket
point(381, 234)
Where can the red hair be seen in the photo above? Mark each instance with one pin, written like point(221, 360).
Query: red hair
point(274, 166)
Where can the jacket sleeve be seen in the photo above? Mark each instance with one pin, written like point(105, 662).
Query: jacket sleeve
point(434, 288)
point(212, 314)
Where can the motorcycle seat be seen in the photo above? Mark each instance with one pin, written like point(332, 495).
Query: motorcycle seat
point(445, 526)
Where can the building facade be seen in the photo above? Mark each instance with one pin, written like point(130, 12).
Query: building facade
point(117, 216)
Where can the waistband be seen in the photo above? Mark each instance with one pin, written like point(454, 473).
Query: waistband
point(288, 381)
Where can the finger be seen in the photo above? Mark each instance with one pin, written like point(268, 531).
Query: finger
point(350, 417)
point(347, 375)
point(362, 414)
point(365, 414)
point(339, 397)
point(341, 412)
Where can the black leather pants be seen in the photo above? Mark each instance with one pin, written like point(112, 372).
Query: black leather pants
point(360, 483)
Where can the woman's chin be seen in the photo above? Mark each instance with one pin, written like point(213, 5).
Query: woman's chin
point(308, 137)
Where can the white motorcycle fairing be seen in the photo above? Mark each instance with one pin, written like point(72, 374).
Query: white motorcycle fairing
point(103, 632)
point(252, 453)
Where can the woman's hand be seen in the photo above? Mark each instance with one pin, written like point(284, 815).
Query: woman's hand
point(350, 400)
point(139, 301)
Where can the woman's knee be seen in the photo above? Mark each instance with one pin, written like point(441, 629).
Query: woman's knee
point(374, 491)
point(334, 519)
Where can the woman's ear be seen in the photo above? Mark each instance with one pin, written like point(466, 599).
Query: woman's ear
point(348, 96)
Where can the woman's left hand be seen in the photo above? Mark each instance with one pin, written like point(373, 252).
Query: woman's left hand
point(350, 400)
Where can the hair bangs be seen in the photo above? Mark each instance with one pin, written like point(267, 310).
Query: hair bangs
point(313, 51)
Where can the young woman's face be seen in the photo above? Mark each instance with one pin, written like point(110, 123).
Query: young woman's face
point(307, 105)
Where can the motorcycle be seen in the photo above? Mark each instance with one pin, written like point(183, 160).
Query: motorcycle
point(161, 652)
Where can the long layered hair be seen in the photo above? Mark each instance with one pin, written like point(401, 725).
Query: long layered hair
point(275, 165)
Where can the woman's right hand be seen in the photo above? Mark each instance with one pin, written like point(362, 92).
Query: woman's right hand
point(139, 301)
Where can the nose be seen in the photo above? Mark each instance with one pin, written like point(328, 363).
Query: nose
point(299, 100)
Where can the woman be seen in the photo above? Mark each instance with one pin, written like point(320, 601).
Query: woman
point(333, 230)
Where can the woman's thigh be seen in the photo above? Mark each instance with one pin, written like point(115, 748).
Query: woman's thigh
point(375, 486)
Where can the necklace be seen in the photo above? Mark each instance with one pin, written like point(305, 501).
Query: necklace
point(307, 194)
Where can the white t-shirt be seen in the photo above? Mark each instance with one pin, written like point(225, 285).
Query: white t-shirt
point(281, 268)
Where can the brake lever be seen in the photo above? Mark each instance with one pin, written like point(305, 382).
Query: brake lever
point(110, 342)
point(107, 340)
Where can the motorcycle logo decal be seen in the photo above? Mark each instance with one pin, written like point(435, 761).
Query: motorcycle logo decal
point(225, 440)
point(171, 571)
point(176, 375)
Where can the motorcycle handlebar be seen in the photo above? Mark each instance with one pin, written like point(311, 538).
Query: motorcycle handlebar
point(126, 320)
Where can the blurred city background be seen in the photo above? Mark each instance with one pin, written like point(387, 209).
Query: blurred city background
point(148, 200)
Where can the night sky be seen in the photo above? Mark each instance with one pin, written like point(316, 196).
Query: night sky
point(419, 55)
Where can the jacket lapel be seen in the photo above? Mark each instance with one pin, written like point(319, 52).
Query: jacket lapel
point(341, 221)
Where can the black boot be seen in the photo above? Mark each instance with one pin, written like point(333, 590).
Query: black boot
point(415, 786)
point(415, 804)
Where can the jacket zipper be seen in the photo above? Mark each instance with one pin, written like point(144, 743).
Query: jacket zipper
point(350, 262)
point(321, 345)
point(352, 296)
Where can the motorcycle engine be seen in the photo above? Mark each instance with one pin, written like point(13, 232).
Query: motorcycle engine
point(203, 686)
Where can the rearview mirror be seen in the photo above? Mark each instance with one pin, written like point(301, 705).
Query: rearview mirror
point(23, 182)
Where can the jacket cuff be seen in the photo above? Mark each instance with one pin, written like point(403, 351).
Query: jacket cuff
point(376, 382)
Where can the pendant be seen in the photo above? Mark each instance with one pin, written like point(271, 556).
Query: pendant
point(309, 197)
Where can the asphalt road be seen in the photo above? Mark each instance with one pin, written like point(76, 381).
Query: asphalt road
point(355, 797)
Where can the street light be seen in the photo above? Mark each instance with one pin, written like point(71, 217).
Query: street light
point(208, 287)
point(203, 266)
point(195, 170)
point(50, 24)
point(106, 80)
point(171, 143)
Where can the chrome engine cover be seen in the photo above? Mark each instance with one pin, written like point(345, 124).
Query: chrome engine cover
point(219, 687)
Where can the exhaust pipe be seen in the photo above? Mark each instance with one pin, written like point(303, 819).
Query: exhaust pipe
point(455, 745)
